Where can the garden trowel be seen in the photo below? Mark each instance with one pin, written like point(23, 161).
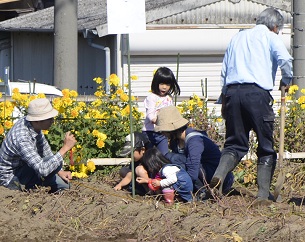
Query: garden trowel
point(281, 176)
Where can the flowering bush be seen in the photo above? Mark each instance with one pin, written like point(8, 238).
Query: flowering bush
point(100, 126)
point(294, 122)
point(195, 110)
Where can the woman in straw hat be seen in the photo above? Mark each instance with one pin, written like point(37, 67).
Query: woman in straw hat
point(201, 154)
point(26, 159)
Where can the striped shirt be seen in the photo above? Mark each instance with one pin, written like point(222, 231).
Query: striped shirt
point(22, 145)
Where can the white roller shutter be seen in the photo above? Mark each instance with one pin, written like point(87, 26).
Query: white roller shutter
point(193, 71)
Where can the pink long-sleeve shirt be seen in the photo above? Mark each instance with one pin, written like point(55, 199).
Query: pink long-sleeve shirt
point(153, 103)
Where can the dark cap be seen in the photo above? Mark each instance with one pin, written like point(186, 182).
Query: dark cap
point(140, 140)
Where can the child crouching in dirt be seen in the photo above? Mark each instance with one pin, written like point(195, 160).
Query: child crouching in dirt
point(141, 144)
point(172, 175)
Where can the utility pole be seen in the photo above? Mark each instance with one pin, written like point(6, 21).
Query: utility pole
point(65, 44)
point(298, 10)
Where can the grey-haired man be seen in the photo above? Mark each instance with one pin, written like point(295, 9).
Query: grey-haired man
point(248, 74)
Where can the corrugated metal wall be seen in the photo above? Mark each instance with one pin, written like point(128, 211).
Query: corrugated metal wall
point(33, 58)
point(223, 12)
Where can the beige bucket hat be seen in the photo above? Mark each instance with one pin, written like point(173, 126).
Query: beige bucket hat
point(169, 119)
point(40, 109)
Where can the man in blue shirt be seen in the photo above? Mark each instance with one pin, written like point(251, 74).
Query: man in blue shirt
point(26, 158)
point(248, 74)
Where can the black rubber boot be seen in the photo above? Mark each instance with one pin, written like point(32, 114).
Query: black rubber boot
point(226, 164)
point(265, 169)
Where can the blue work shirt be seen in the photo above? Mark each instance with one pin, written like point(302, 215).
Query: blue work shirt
point(253, 56)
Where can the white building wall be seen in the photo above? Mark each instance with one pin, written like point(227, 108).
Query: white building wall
point(176, 49)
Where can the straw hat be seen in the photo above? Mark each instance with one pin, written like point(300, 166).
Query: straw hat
point(40, 109)
point(169, 119)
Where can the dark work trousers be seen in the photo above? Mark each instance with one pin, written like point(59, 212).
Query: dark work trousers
point(247, 106)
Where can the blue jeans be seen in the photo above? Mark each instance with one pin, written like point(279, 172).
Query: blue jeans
point(184, 185)
point(207, 169)
point(158, 140)
point(26, 177)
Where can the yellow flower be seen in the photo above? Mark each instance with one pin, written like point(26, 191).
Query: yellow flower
point(125, 111)
point(301, 100)
point(16, 90)
point(45, 131)
point(74, 113)
point(99, 93)
point(124, 97)
point(91, 166)
point(98, 80)
point(83, 168)
point(8, 124)
point(119, 91)
point(114, 80)
point(1, 130)
point(102, 136)
point(293, 89)
point(41, 95)
point(73, 93)
point(97, 102)
point(79, 174)
point(134, 77)
point(65, 92)
point(95, 132)
point(100, 143)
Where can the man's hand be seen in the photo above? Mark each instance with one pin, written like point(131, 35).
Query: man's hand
point(65, 175)
point(69, 142)
point(283, 84)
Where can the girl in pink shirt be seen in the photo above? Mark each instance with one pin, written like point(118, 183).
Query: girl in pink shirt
point(163, 85)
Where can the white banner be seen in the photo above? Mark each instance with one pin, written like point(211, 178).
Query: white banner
point(126, 16)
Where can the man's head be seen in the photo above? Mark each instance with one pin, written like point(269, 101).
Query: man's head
point(169, 120)
point(272, 18)
point(140, 140)
point(40, 109)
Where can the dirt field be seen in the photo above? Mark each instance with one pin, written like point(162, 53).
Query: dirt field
point(92, 211)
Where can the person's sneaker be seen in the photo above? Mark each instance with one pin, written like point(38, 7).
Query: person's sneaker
point(202, 196)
